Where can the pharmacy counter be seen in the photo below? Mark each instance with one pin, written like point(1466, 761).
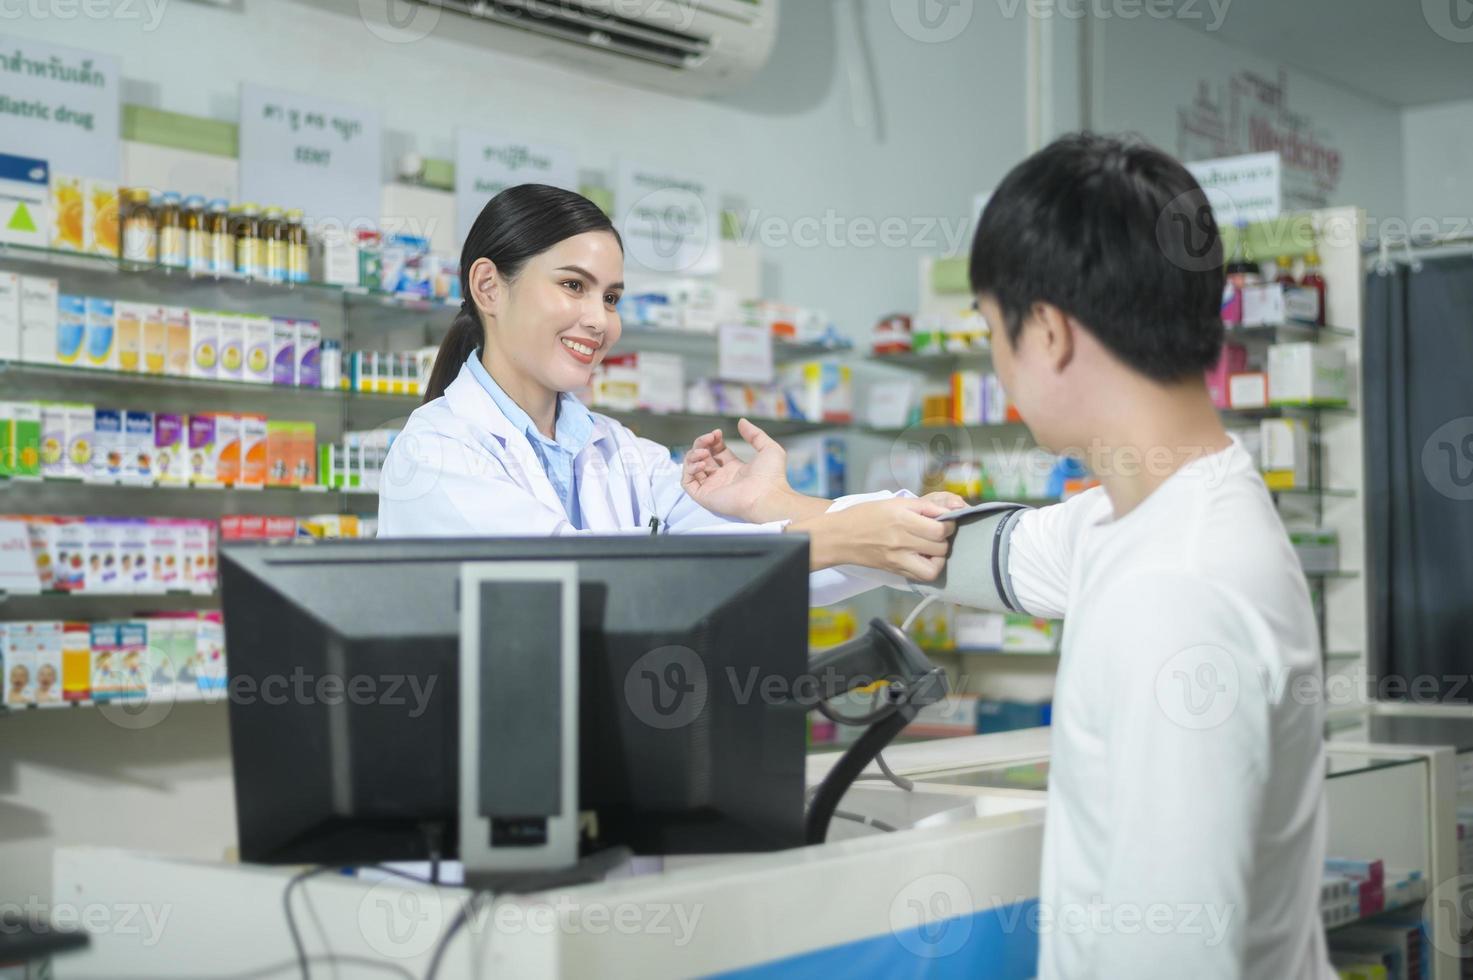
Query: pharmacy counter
point(952, 892)
point(949, 897)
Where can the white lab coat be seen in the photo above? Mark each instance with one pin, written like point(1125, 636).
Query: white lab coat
point(460, 468)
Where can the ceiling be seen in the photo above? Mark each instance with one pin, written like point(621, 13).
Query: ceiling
point(1403, 52)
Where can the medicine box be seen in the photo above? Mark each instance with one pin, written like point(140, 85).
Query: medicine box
point(253, 448)
point(201, 438)
point(309, 354)
point(1248, 390)
point(9, 316)
point(170, 450)
point(232, 347)
point(100, 346)
point(39, 299)
point(128, 319)
point(107, 449)
point(227, 449)
point(258, 336)
point(155, 340)
point(1285, 453)
point(1307, 374)
point(178, 342)
point(71, 330)
point(138, 447)
point(283, 352)
point(204, 344)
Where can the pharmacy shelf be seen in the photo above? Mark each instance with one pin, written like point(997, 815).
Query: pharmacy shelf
point(167, 278)
point(1337, 576)
point(1342, 655)
point(696, 344)
point(1292, 330)
point(1284, 411)
point(120, 704)
point(1314, 492)
point(1413, 905)
point(54, 493)
point(27, 369)
point(776, 427)
point(992, 653)
point(16, 606)
point(942, 427)
point(948, 360)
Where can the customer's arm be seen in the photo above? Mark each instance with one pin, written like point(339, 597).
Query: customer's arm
point(1185, 711)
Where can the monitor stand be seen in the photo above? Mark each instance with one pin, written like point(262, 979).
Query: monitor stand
point(518, 808)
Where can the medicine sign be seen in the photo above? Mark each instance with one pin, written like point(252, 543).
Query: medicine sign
point(488, 163)
point(60, 105)
point(302, 151)
point(671, 222)
point(1244, 188)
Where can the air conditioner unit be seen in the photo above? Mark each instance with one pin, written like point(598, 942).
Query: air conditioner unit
point(690, 47)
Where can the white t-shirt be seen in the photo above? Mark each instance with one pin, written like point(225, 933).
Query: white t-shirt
point(1185, 828)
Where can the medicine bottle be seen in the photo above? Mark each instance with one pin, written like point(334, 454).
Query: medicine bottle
point(140, 229)
point(172, 251)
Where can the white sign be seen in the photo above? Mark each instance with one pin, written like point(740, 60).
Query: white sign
point(670, 223)
point(487, 164)
point(744, 353)
point(17, 565)
point(301, 151)
point(1242, 189)
point(60, 105)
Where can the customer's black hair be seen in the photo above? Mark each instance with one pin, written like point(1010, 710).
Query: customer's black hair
point(515, 225)
point(1116, 234)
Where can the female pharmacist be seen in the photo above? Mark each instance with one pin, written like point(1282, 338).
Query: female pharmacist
point(501, 447)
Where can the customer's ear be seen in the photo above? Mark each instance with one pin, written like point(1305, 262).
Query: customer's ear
point(1053, 335)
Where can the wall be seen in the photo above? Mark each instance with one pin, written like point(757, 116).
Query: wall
point(1148, 71)
point(1437, 149)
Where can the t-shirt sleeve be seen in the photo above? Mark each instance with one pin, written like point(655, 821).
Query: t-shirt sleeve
point(1187, 739)
point(1041, 554)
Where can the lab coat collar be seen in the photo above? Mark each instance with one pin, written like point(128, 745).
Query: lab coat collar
point(470, 401)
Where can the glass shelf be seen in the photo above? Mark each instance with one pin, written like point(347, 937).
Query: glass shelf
point(126, 378)
point(921, 427)
point(637, 337)
point(170, 278)
point(635, 418)
point(1284, 411)
point(1295, 329)
point(51, 485)
point(1333, 575)
point(1340, 764)
point(1314, 492)
point(940, 359)
point(1341, 655)
point(125, 704)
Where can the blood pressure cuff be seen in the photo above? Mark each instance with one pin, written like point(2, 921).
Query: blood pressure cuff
point(976, 573)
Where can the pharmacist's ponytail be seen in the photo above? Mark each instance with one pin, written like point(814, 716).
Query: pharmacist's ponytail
point(517, 224)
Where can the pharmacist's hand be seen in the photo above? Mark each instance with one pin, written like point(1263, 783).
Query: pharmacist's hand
point(899, 535)
point(723, 484)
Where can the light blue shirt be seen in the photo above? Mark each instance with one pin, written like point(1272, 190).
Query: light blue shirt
point(574, 427)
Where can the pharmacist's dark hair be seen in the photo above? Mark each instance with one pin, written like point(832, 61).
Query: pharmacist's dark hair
point(514, 226)
point(1116, 234)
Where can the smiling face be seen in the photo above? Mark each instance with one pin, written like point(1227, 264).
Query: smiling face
point(556, 321)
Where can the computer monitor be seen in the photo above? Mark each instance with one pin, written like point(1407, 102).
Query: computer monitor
point(343, 662)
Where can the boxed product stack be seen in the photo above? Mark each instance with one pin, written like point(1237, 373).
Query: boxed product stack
point(816, 465)
point(356, 463)
point(173, 656)
point(735, 398)
point(121, 555)
point(387, 372)
point(820, 391)
point(645, 380)
point(257, 527)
